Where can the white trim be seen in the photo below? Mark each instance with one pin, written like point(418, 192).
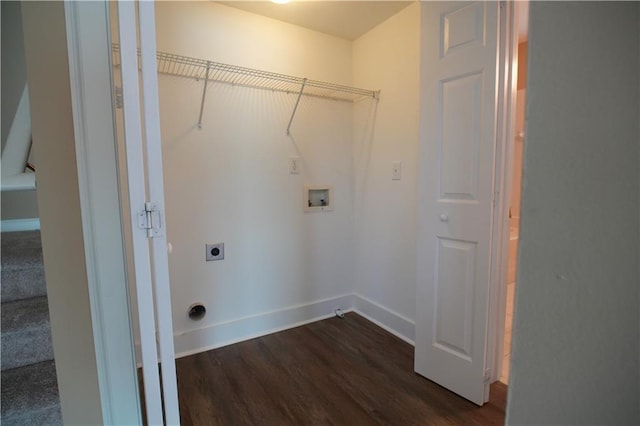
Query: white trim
point(508, 55)
point(227, 333)
point(159, 256)
point(396, 324)
point(127, 25)
point(230, 332)
point(16, 225)
point(90, 80)
point(19, 182)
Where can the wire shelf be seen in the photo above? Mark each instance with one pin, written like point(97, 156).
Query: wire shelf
point(199, 69)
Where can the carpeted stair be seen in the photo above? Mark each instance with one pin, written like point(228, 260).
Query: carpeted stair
point(29, 386)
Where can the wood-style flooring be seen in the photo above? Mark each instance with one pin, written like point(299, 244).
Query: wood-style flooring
point(337, 371)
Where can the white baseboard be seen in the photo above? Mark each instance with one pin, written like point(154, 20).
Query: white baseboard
point(15, 225)
point(227, 333)
point(393, 322)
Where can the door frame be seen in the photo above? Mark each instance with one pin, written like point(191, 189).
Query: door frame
point(503, 183)
point(145, 214)
point(89, 44)
point(90, 173)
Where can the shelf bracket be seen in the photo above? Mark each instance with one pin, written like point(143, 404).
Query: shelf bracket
point(204, 94)
point(295, 108)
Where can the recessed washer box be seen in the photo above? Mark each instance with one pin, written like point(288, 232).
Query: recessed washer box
point(318, 198)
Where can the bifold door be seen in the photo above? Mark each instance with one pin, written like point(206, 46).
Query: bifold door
point(459, 48)
point(136, 21)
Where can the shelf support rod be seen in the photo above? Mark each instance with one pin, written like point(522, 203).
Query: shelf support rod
point(295, 108)
point(204, 94)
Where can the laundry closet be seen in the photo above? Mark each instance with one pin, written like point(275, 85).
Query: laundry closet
point(313, 196)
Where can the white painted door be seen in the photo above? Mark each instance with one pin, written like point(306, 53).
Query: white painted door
point(459, 52)
point(146, 198)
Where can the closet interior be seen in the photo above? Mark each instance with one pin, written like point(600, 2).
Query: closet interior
point(295, 152)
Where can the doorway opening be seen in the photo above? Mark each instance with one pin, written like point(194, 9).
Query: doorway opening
point(209, 149)
point(515, 177)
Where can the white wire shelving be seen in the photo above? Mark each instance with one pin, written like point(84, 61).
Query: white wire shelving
point(203, 70)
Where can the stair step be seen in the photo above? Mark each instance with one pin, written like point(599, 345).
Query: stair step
point(21, 258)
point(23, 283)
point(20, 239)
point(26, 333)
point(29, 385)
point(30, 395)
point(22, 273)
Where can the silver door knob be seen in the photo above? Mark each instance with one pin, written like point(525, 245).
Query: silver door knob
point(444, 218)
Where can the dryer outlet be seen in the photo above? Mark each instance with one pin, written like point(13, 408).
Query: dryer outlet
point(214, 251)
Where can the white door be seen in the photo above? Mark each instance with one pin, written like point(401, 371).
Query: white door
point(146, 198)
point(459, 52)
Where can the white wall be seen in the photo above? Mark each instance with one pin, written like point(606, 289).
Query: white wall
point(387, 58)
point(15, 204)
point(14, 74)
point(59, 204)
point(224, 34)
point(575, 351)
point(229, 182)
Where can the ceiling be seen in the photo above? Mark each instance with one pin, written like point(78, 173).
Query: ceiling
point(344, 19)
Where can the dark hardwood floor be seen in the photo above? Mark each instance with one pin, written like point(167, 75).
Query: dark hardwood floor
point(337, 371)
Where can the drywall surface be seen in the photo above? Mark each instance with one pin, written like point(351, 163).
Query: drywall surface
point(575, 351)
point(387, 58)
point(230, 182)
point(14, 74)
point(16, 204)
point(224, 34)
point(59, 205)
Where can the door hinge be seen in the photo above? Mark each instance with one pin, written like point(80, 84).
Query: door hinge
point(487, 375)
point(151, 219)
point(118, 97)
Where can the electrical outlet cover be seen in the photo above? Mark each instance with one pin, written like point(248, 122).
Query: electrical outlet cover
point(294, 165)
point(396, 170)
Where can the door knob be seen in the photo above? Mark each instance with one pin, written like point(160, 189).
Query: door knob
point(444, 218)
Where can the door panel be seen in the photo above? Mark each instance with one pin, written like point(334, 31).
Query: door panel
point(459, 106)
point(137, 197)
point(462, 27)
point(159, 256)
point(454, 290)
point(145, 191)
point(458, 130)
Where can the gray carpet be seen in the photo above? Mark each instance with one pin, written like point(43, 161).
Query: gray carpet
point(26, 333)
point(30, 395)
point(22, 272)
point(29, 384)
